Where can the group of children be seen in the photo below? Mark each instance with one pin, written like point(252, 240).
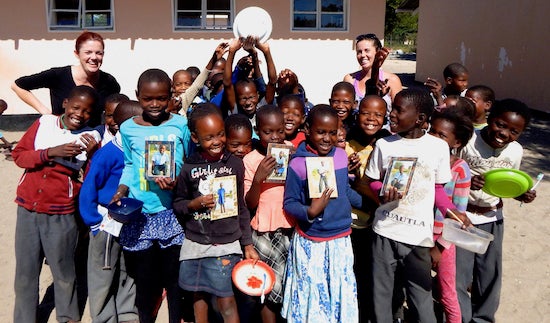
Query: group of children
point(336, 259)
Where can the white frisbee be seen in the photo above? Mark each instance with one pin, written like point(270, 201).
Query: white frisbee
point(253, 21)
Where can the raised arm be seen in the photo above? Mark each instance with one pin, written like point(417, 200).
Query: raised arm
point(229, 90)
point(271, 71)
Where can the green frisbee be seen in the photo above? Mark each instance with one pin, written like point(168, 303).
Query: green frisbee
point(506, 182)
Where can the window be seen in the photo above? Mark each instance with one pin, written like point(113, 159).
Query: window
point(203, 14)
point(319, 15)
point(80, 14)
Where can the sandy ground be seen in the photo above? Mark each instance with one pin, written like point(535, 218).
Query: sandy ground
point(526, 283)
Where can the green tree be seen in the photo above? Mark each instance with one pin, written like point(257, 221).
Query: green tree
point(400, 26)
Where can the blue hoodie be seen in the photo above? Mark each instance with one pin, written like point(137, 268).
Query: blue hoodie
point(335, 220)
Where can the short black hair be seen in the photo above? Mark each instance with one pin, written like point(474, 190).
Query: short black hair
point(195, 71)
point(293, 98)
point(116, 98)
point(154, 75)
point(463, 126)
point(484, 91)
point(85, 90)
point(454, 69)
point(346, 86)
point(319, 111)
point(266, 110)
point(463, 106)
point(201, 111)
point(419, 98)
point(237, 122)
point(125, 110)
point(510, 105)
point(245, 82)
point(3, 104)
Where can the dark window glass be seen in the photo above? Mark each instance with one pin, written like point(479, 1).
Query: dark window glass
point(189, 4)
point(332, 21)
point(332, 6)
point(189, 19)
point(304, 21)
point(66, 4)
point(98, 4)
point(305, 5)
point(218, 5)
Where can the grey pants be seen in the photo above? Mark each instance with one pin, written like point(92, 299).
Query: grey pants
point(39, 235)
point(484, 272)
point(111, 292)
point(389, 257)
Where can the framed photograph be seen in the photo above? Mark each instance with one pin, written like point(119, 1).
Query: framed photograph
point(159, 159)
point(281, 153)
point(224, 190)
point(399, 174)
point(320, 176)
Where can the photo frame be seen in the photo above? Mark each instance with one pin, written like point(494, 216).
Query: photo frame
point(399, 174)
point(281, 153)
point(320, 175)
point(224, 190)
point(159, 159)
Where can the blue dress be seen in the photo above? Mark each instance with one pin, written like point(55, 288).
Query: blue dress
point(157, 221)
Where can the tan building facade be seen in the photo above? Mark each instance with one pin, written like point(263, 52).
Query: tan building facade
point(314, 38)
point(502, 43)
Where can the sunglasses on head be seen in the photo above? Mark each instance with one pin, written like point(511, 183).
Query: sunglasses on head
point(366, 36)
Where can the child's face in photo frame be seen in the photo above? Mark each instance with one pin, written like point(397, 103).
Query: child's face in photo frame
point(78, 110)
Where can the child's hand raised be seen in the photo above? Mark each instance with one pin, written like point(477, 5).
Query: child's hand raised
point(434, 86)
point(266, 166)
point(234, 45)
point(66, 150)
point(248, 44)
point(220, 50)
point(477, 182)
point(264, 47)
point(318, 205)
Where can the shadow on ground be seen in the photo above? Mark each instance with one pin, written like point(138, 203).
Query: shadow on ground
point(536, 144)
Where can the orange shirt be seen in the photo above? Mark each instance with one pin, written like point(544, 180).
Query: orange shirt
point(269, 213)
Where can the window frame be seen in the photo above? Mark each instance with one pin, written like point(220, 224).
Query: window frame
point(81, 17)
point(318, 17)
point(203, 13)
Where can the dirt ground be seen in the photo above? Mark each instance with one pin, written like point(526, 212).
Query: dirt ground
point(526, 282)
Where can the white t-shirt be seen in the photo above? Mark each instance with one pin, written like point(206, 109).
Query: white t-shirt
point(411, 220)
point(482, 158)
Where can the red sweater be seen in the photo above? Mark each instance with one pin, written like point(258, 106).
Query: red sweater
point(45, 187)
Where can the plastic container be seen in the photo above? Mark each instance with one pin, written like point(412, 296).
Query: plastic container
point(472, 239)
point(128, 209)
